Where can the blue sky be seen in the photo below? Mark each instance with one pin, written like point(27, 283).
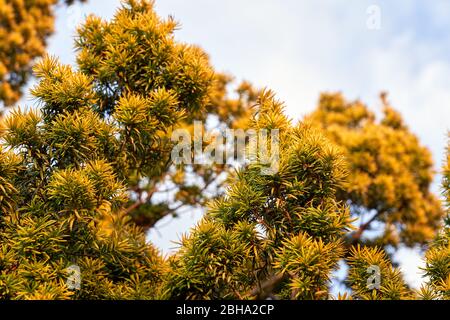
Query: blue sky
point(301, 48)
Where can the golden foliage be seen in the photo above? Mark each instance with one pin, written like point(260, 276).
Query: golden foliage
point(390, 172)
point(26, 25)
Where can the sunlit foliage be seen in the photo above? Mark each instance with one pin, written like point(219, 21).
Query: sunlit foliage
point(25, 28)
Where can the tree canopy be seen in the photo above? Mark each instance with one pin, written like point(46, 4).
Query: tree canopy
point(391, 172)
point(25, 28)
point(82, 174)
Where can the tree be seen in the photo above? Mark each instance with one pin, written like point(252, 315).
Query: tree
point(136, 54)
point(437, 258)
point(61, 205)
point(80, 178)
point(25, 28)
point(390, 172)
point(287, 226)
point(280, 236)
point(390, 175)
point(69, 168)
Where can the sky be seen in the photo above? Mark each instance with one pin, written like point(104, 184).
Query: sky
point(301, 48)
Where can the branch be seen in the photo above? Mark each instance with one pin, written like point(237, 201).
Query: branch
point(265, 290)
point(141, 201)
point(356, 236)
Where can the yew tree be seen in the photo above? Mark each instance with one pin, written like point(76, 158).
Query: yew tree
point(285, 227)
point(391, 172)
point(82, 174)
point(25, 26)
point(437, 257)
point(71, 169)
point(281, 236)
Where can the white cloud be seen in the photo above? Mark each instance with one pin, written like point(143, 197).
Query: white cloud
point(410, 263)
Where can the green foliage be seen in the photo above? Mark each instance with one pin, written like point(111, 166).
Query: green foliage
point(71, 220)
point(437, 258)
point(145, 84)
point(120, 106)
point(81, 174)
point(258, 231)
point(9, 164)
point(309, 262)
point(136, 53)
point(214, 262)
point(392, 286)
point(71, 169)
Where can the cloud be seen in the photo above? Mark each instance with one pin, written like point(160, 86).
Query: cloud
point(411, 264)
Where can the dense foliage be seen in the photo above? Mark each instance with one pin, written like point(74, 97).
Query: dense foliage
point(287, 225)
point(25, 26)
point(391, 172)
point(83, 174)
point(69, 167)
point(437, 268)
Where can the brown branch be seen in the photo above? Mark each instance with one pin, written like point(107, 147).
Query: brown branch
point(134, 206)
point(265, 290)
point(140, 201)
point(356, 236)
